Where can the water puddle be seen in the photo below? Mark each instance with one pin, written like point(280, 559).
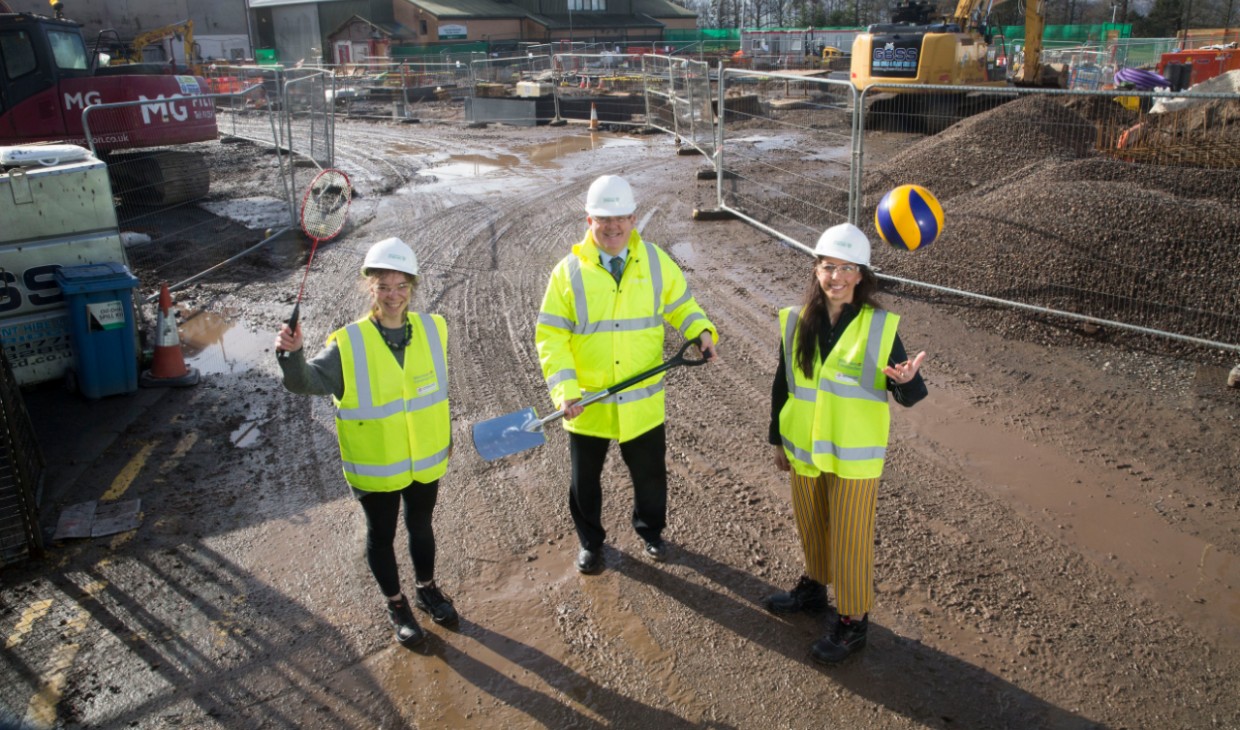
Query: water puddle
point(408, 149)
point(246, 435)
point(547, 153)
point(216, 343)
point(468, 166)
point(456, 168)
point(771, 143)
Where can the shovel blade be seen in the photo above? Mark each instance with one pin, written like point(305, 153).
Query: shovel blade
point(506, 435)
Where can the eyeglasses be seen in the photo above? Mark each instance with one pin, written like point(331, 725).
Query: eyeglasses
point(830, 269)
point(401, 288)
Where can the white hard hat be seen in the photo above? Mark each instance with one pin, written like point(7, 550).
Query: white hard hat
point(393, 254)
point(846, 242)
point(610, 195)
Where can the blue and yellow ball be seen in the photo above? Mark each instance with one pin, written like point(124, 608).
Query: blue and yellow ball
point(909, 217)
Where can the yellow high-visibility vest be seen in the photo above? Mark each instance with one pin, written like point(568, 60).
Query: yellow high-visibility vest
point(593, 333)
point(838, 421)
point(393, 423)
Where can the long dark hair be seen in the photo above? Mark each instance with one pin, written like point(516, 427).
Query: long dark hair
point(814, 316)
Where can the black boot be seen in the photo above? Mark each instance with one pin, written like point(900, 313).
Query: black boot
point(430, 599)
point(809, 596)
point(846, 639)
point(408, 633)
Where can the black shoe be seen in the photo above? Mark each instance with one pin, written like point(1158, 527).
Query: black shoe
point(656, 551)
point(589, 561)
point(808, 595)
point(430, 599)
point(408, 633)
point(842, 642)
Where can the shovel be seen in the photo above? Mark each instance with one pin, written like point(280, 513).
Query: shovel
point(516, 432)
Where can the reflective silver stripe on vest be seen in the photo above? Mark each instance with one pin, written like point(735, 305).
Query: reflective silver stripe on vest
point(797, 391)
point(864, 390)
point(686, 297)
point(584, 326)
point(560, 377)
point(858, 453)
point(684, 326)
point(366, 410)
point(800, 455)
point(440, 361)
point(656, 278)
point(404, 466)
point(430, 461)
point(551, 320)
point(378, 470)
point(631, 395)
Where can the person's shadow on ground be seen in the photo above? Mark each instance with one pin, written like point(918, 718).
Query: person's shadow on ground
point(901, 674)
point(540, 706)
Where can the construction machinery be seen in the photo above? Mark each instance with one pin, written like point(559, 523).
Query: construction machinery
point(182, 33)
point(919, 47)
point(47, 80)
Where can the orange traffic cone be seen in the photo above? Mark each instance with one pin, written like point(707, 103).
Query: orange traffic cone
point(593, 117)
point(168, 366)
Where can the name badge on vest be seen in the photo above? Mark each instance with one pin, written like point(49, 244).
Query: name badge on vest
point(425, 383)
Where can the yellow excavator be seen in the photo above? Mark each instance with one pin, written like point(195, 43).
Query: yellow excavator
point(182, 32)
point(920, 47)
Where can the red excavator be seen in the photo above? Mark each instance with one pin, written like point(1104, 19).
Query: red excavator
point(47, 77)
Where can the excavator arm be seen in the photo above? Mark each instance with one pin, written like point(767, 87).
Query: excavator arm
point(183, 31)
point(1035, 24)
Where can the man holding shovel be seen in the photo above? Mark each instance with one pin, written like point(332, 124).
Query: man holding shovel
point(601, 322)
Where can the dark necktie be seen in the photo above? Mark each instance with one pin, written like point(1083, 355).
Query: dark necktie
point(617, 268)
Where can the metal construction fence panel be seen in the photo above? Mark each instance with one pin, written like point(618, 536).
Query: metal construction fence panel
point(785, 157)
point(510, 70)
point(610, 86)
point(1129, 199)
point(309, 121)
point(679, 100)
point(186, 209)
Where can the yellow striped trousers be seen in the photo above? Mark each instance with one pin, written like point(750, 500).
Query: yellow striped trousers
point(835, 521)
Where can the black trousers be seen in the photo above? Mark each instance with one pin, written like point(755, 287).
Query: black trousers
point(646, 458)
point(382, 510)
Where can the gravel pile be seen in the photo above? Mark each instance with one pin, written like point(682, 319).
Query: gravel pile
point(1034, 213)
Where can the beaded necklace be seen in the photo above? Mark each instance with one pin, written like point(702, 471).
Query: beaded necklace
point(395, 344)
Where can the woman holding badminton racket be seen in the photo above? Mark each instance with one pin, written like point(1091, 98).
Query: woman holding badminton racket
point(387, 374)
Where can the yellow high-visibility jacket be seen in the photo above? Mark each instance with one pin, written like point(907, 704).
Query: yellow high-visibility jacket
point(839, 420)
point(593, 333)
point(393, 423)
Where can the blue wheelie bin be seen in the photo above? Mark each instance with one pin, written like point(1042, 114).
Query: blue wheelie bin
point(99, 298)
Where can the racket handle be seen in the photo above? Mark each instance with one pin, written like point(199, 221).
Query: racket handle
point(292, 326)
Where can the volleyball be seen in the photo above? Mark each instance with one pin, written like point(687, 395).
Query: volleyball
point(909, 217)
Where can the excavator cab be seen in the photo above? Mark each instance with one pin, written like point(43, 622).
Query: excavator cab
point(36, 54)
point(48, 80)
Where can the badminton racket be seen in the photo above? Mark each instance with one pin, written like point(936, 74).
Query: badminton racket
point(324, 208)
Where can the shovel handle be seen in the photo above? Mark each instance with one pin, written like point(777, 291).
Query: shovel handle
point(676, 361)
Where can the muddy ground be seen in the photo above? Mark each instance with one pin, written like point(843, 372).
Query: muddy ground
point(1057, 528)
